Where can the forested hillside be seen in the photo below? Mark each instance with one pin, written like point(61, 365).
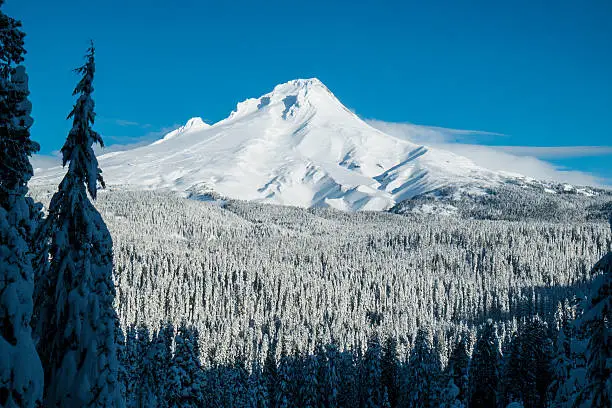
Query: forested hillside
point(257, 285)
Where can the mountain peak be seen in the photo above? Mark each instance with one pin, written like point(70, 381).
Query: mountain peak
point(196, 122)
point(299, 85)
point(286, 99)
point(193, 125)
point(296, 145)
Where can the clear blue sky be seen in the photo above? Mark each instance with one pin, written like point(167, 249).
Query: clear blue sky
point(537, 71)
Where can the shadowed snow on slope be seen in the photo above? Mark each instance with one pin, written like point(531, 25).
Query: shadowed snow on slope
point(297, 145)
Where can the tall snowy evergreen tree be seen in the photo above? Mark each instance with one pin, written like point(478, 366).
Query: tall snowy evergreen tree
point(130, 359)
point(270, 374)
point(309, 389)
point(372, 391)
point(457, 369)
point(186, 375)
point(284, 398)
point(331, 377)
point(21, 375)
point(146, 393)
point(76, 322)
point(258, 392)
point(484, 369)
point(160, 358)
point(527, 370)
point(596, 322)
point(390, 370)
point(421, 384)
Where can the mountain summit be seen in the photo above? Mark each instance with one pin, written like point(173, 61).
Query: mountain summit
point(297, 145)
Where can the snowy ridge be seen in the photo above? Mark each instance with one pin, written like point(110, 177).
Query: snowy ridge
point(297, 145)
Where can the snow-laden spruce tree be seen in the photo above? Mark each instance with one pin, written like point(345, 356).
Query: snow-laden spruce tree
point(423, 372)
point(284, 399)
point(186, 377)
point(457, 369)
point(21, 375)
point(372, 390)
point(390, 369)
point(77, 322)
point(596, 322)
point(484, 368)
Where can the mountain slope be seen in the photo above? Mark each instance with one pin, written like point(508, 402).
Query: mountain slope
point(297, 145)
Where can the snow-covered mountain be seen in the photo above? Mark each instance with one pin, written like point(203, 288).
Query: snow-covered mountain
point(297, 145)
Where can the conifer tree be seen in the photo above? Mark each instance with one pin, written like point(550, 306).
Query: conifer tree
point(348, 388)
point(283, 398)
point(76, 320)
point(421, 386)
point(372, 388)
point(331, 378)
point(597, 322)
point(390, 370)
point(146, 393)
point(21, 374)
point(527, 373)
point(484, 368)
point(457, 369)
point(240, 383)
point(130, 360)
point(258, 392)
point(270, 374)
point(121, 357)
point(186, 375)
point(160, 358)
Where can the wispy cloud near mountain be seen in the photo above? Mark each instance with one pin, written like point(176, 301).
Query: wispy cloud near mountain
point(526, 160)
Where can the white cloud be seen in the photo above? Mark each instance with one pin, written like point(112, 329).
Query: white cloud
point(123, 122)
point(525, 160)
point(499, 160)
point(556, 152)
point(430, 134)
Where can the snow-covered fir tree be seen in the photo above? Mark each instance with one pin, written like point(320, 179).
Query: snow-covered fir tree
point(457, 368)
point(159, 356)
point(258, 392)
point(284, 397)
point(484, 369)
point(130, 359)
point(21, 374)
point(309, 395)
point(372, 387)
point(390, 365)
point(331, 377)
point(186, 378)
point(77, 321)
point(423, 373)
point(146, 392)
point(527, 374)
point(597, 323)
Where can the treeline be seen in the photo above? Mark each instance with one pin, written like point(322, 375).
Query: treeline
point(534, 366)
point(518, 201)
point(259, 285)
point(238, 271)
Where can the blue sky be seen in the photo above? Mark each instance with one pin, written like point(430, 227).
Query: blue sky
point(538, 72)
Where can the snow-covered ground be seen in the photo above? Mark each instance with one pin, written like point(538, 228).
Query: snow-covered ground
point(297, 145)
